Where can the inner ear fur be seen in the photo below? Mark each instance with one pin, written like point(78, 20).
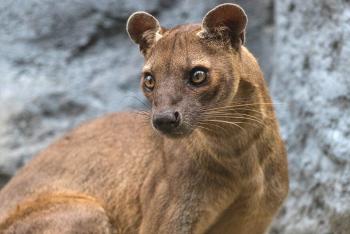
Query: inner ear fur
point(143, 29)
point(226, 20)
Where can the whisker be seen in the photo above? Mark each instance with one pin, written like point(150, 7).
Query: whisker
point(197, 125)
point(212, 124)
point(143, 114)
point(147, 105)
point(238, 105)
point(227, 122)
point(205, 128)
point(226, 113)
point(248, 117)
point(235, 110)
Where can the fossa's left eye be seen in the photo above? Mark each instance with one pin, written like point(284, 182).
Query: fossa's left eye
point(198, 76)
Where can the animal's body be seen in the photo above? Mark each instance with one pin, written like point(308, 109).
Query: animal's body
point(211, 159)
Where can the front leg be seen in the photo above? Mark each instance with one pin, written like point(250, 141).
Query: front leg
point(181, 210)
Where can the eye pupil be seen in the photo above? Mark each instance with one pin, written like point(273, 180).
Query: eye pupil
point(149, 82)
point(198, 77)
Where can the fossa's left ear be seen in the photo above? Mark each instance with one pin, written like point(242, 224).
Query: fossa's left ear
point(144, 29)
point(226, 18)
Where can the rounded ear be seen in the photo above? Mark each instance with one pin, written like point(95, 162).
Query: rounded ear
point(226, 16)
point(143, 29)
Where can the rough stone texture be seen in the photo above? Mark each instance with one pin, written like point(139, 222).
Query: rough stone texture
point(311, 81)
point(63, 62)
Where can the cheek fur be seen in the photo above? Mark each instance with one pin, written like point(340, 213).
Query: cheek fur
point(209, 94)
point(217, 89)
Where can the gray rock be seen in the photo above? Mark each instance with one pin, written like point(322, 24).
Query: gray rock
point(62, 62)
point(311, 81)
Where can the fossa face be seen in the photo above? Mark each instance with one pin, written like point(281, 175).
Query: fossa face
point(188, 69)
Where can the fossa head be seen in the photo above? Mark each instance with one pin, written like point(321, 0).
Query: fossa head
point(190, 68)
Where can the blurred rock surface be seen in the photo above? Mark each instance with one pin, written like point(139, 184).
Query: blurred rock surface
point(312, 86)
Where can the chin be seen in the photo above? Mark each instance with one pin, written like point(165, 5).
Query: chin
point(176, 133)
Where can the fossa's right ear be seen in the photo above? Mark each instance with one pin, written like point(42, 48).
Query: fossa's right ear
point(144, 29)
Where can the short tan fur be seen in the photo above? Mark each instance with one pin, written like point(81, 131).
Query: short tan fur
point(207, 158)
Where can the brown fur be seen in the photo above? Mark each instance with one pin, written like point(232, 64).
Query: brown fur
point(117, 174)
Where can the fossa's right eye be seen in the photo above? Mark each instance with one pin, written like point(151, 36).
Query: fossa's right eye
point(149, 82)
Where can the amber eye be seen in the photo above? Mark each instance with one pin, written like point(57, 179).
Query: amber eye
point(198, 76)
point(149, 82)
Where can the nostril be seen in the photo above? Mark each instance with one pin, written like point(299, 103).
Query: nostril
point(177, 116)
point(176, 119)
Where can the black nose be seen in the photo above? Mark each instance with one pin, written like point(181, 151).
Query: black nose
point(166, 121)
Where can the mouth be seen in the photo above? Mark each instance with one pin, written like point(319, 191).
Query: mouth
point(177, 132)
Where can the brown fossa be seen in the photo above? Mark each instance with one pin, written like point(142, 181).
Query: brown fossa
point(207, 157)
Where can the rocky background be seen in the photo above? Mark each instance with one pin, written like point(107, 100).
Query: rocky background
point(311, 80)
point(64, 62)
